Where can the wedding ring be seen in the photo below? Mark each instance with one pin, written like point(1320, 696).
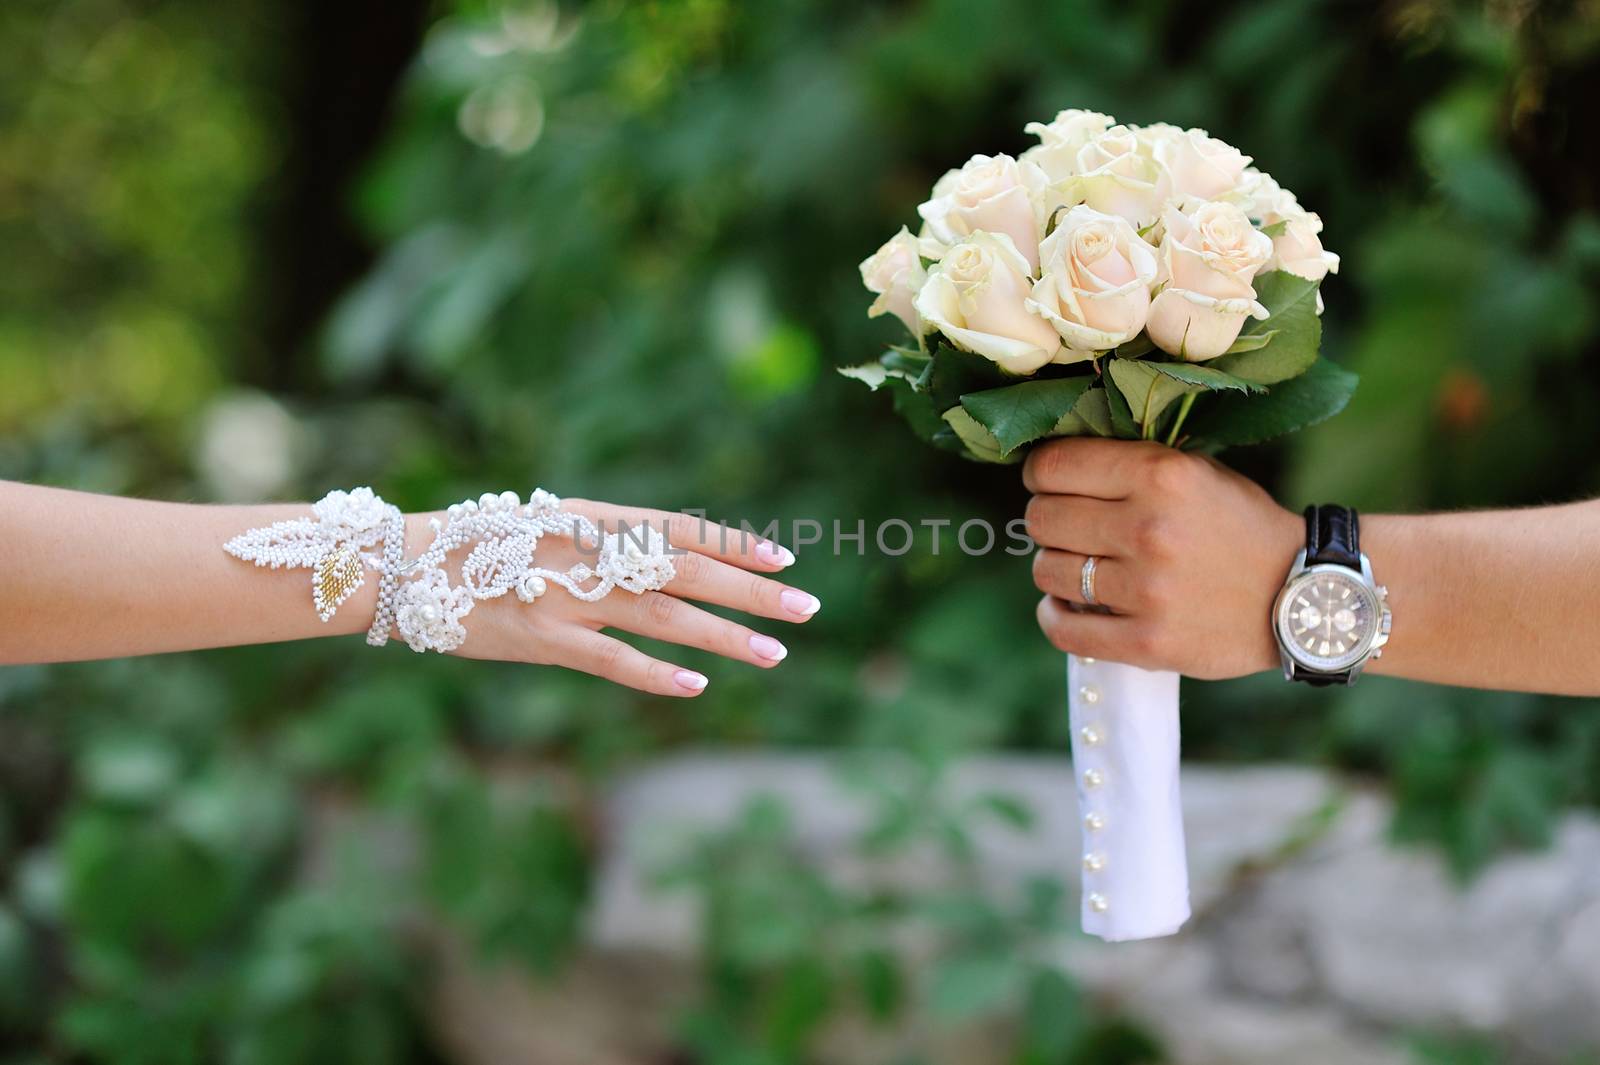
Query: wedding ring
point(1086, 580)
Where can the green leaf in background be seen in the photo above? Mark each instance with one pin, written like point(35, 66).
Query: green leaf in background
point(1053, 1017)
point(797, 1001)
point(1009, 809)
point(1094, 410)
point(19, 977)
point(1293, 332)
point(882, 990)
point(971, 986)
point(130, 768)
point(1320, 392)
point(1432, 1048)
point(1147, 390)
point(980, 442)
point(782, 362)
point(953, 373)
point(1204, 375)
point(1019, 414)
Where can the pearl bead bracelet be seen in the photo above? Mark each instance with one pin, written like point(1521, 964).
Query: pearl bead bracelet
point(416, 597)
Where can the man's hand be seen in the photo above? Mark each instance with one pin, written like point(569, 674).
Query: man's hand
point(1191, 556)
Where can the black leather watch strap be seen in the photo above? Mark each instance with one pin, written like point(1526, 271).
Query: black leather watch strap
point(1333, 535)
point(1318, 680)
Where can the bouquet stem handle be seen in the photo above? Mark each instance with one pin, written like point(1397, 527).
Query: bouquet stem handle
point(1125, 757)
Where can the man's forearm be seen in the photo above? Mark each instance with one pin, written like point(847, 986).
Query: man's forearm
point(1492, 599)
point(86, 576)
point(1190, 557)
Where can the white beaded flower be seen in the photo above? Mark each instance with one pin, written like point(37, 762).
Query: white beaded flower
point(428, 613)
point(330, 545)
point(636, 560)
point(356, 511)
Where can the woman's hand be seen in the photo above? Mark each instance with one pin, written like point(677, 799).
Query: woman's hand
point(1191, 556)
point(720, 565)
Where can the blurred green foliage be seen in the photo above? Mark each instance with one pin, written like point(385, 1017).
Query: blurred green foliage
point(130, 148)
point(615, 256)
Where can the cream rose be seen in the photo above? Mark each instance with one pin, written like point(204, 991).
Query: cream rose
point(1117, 175)
point(1209, 257)
point(894, 272)
point(1263, 199)
point(977, 297)
point(1200, 165)
point(1056, 154)
point(1298, 249)
point(1096, 285)
point(989, 194)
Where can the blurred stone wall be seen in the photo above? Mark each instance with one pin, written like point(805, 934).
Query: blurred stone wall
point(1314, 941)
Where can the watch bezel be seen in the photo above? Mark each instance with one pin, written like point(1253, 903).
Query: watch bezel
point(1350, 659)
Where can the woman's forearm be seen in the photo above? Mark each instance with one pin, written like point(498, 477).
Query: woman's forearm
point(1492, 599)
point(88, 576)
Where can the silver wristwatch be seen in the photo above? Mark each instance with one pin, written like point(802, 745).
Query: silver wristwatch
point(1331, 618)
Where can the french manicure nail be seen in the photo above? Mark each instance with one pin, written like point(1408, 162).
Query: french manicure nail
point(689, 679)
point(776, 554)
point(797, 602)
point(768, 648)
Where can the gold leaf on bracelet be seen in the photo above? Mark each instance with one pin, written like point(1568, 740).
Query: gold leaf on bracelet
point(335, 578)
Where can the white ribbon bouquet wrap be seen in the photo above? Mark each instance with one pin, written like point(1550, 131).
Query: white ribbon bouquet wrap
point(1134, 282)
point(1125, 754)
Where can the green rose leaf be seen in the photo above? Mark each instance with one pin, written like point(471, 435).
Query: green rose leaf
point(980, 442)
point(1019, 414)
point(1094, 410)
point(1293, 332)
point(1250, 342)
point(1147, 390)
point(1070, 424)
point(917, 410)
point(905, 363)
point(1123, 427)
point(871, 374)
point(1205, 375)
point(1138, 347)
point(1319, 393)
point(952, 373)
point(906, 360)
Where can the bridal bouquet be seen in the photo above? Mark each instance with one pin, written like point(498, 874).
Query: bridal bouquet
point(1138, 282)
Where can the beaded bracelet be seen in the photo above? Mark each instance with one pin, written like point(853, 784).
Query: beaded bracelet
point(416, 597)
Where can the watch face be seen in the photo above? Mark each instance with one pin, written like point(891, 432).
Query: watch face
point(1327, 619)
